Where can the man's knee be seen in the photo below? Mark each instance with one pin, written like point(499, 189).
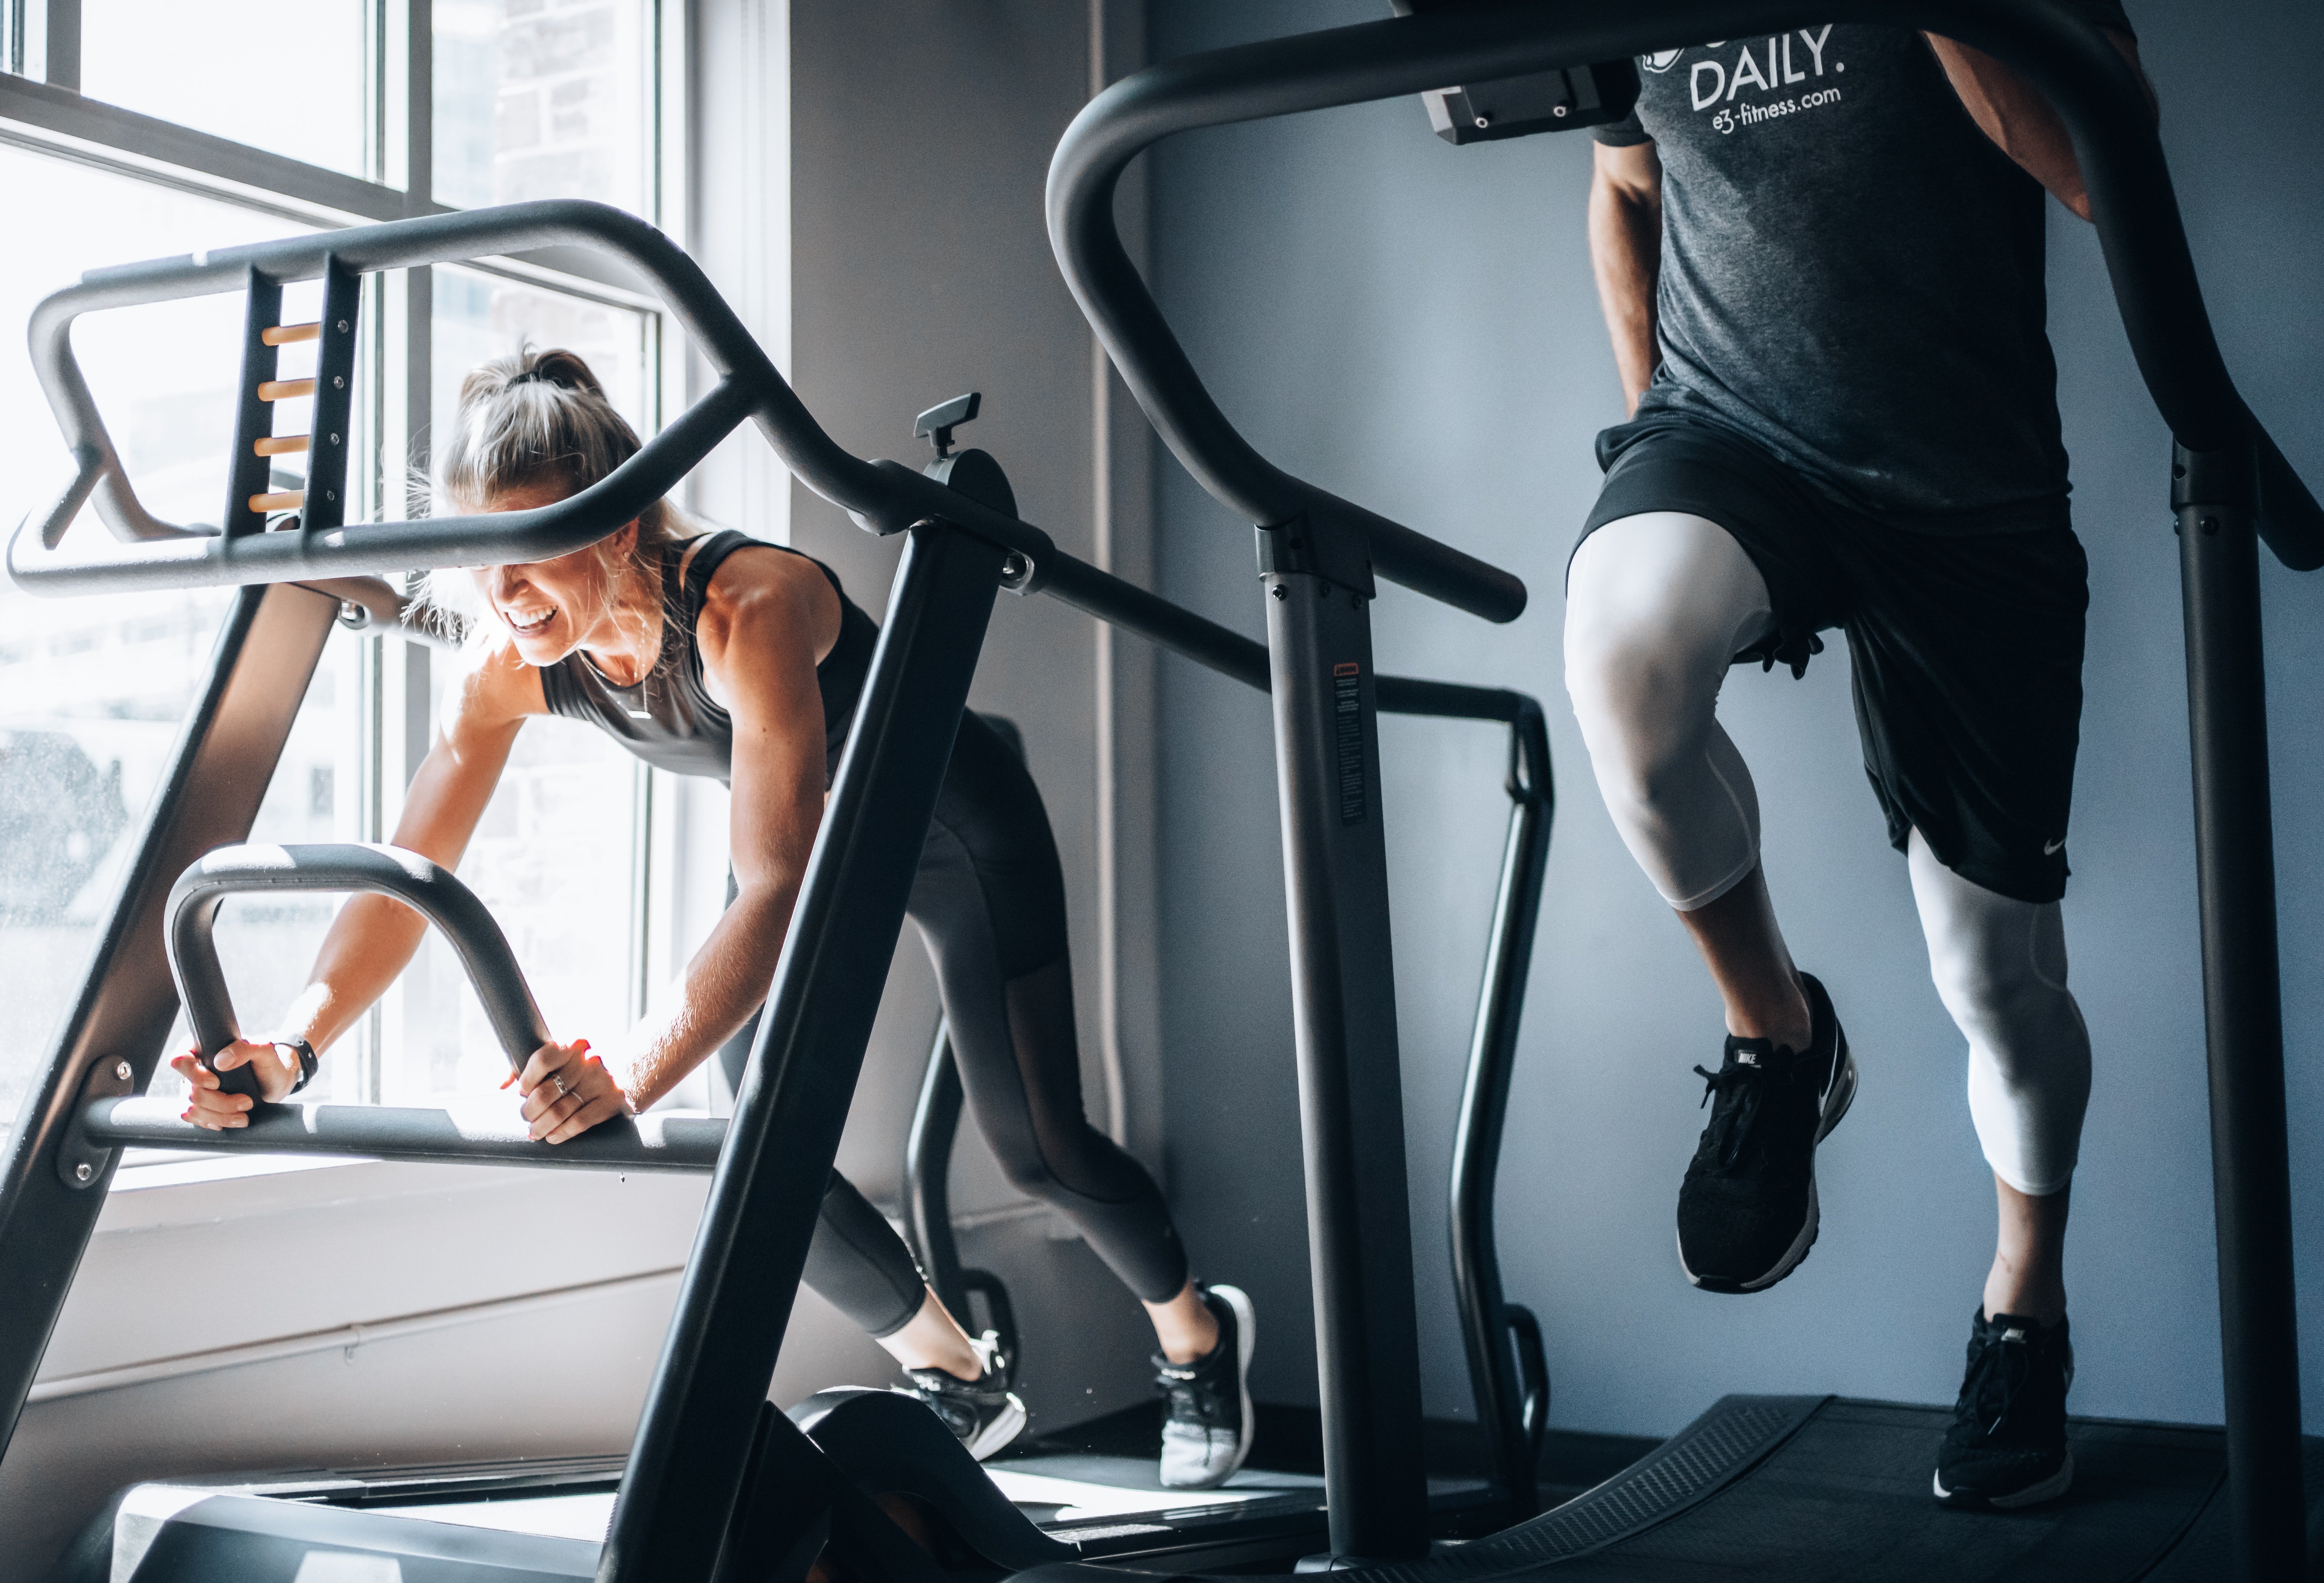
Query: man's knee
point(1644, 705)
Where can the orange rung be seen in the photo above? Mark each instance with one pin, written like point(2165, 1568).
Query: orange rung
point(288, 446)
point(283, 335)
point(284, 389)
point(289, 500)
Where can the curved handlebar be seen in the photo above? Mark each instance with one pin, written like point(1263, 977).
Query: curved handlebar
point(2092, 86)
point(883, 497)
point(432, 891)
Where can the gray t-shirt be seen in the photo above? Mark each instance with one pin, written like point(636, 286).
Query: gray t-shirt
point(1852, 275)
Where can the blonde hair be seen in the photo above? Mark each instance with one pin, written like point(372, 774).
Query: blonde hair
point(539, 419)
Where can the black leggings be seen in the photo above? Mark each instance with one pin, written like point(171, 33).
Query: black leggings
point(990, 900)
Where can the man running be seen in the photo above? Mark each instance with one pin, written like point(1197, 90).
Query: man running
point(1821, 259)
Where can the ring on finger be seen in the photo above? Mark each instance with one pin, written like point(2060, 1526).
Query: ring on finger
point(562, 1089)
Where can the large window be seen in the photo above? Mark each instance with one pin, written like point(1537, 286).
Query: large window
point(114, 112)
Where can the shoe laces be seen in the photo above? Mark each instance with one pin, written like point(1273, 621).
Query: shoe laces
point(1191, 1394)
point(1998, 1377)
point(1741, 1088)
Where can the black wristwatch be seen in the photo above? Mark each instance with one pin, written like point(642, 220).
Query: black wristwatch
point(308, 1060)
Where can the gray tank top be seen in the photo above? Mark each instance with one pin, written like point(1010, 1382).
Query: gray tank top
point(668, 719)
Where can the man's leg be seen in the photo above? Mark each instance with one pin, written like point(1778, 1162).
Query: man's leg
point(2000, 968)
point(1657, 606)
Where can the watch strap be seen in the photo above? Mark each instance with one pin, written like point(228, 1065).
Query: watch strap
point(308, 1060)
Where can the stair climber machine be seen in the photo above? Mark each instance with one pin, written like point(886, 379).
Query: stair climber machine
point(1797, 1487)
point(718, 1484)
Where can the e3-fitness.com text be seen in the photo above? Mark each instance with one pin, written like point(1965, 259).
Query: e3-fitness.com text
point(1749, 115)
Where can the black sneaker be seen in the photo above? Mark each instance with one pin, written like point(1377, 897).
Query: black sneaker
point(2007, 1447)
point(984, 1412)
point(1208, 1432)
point(1747, 1211)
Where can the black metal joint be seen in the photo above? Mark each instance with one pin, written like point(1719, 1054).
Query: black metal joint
point(1305, 547)
point(2226, 478)
point(81, 1160)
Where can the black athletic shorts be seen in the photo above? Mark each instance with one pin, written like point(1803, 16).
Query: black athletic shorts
point(1966, 649)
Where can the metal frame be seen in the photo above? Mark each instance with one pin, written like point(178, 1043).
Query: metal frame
point(2233, 485)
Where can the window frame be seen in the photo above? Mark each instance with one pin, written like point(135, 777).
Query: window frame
point(42, 111)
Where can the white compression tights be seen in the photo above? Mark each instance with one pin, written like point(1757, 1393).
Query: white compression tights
point(1657, 606)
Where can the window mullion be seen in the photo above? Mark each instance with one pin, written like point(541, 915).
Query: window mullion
point(60, 45)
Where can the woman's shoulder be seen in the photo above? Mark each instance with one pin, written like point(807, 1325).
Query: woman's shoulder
point(761, 591)
point(491, 685)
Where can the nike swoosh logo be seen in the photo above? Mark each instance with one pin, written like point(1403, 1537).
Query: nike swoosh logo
point(2050, 849)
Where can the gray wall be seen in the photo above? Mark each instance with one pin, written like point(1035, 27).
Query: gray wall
point(1413, 326)
point(920, 136)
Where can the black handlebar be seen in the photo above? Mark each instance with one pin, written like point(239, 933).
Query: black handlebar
point(432, 891)
point(2099, 97)
point(882, 496)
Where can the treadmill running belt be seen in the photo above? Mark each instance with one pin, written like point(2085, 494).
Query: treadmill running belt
point(1843, 1492)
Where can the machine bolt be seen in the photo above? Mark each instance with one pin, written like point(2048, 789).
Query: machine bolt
point(121, 1069)
point(2211, 524)
point(1558, 110)
point(1484, 121)
point(84, 1171)
point(338, 381)
point(1278, 592)
point(343, 326)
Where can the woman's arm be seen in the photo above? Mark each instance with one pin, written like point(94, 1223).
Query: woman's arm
point(762, 628)
point(375, 937)
point(2013, 113)
point(1626, 251)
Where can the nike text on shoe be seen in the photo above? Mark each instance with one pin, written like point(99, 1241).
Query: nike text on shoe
point(1207, 1433)
point(983, 1413)
point(2007, 1447)
point(1747, 1210)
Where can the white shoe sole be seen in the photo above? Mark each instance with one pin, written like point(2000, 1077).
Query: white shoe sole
point(997, 1435)
point(1239, 1301)
point(2033, 1495)
point(1837, 1099)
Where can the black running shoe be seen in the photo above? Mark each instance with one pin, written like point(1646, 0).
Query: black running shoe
point(1208, 1432)
point(1747, 1211)
point(983, 1413)
point(2007, 1447)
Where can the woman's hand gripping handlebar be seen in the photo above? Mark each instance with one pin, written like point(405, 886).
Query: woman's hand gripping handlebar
point(231, 1076)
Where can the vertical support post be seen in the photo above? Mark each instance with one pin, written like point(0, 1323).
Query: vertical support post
point(218, 774)
point(928, 1170)
point(1343, 1011)
point(2214, 494)
point(326, 505)
point(247, 472)
point(1494, 1377)
point(686, 1465)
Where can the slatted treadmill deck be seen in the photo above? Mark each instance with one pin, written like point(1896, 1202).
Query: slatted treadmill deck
point(1799, 1488)
point(1806, 1490)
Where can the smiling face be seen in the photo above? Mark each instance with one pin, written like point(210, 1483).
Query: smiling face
point(551, 608)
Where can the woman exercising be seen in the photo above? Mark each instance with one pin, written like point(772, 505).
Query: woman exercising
point(713, 654)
